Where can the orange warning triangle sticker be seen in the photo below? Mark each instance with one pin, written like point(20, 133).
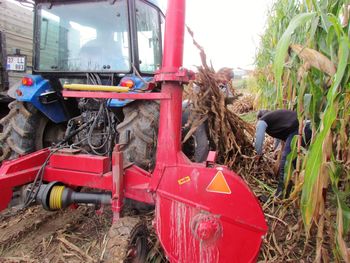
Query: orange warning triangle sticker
point(219, 184)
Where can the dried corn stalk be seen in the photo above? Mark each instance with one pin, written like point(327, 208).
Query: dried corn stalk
point(243, 105)
point(229, 134)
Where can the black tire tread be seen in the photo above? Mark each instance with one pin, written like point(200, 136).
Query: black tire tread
point(119, 239)
point(141, 122)
point(19, 130)
point(19, 127)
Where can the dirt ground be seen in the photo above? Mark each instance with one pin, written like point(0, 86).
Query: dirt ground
point(36, 235)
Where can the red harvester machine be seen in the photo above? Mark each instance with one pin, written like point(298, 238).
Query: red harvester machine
point(203, 212)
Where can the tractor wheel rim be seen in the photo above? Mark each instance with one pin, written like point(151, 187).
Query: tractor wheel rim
point(138, 249)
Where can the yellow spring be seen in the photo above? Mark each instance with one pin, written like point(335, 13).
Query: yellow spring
point(55, 201)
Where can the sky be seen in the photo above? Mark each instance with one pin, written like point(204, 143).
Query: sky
point(229, 31)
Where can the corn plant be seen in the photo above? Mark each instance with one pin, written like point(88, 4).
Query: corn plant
point(303, 61)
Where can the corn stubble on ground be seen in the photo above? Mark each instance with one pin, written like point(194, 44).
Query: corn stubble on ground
point(36, 235)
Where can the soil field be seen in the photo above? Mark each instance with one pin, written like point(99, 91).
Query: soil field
point(36, 235)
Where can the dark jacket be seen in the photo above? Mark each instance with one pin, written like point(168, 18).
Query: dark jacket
point(278, 124)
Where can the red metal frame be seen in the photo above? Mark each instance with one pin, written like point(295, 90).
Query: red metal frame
point(118, 182)
point(111, 95)
point(195, 221)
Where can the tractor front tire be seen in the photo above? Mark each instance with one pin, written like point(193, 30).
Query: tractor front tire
point(127, 241)
point(24, 130)
point(138, 133)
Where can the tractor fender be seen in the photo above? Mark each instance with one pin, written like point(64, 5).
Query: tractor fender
point(32, 94)
point(12, 89)
point(139, 85)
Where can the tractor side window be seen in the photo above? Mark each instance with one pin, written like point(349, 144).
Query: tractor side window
point(83, 37)
point(149, 37)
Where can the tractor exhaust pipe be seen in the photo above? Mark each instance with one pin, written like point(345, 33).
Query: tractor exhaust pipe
point(55, 196)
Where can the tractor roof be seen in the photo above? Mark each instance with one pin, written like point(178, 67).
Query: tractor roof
point(153, 2)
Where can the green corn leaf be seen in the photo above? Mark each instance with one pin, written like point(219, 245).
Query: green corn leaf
point(313, 167)
point(328, 105)
point(282, 48)
point(343, 55)
point(324, 19)
point(315, 156)
point(307, 103)
point(308, 4)
point(289, 167)
point(336, 25)
point(346, 213)
point(314, 26)
point(334, 175)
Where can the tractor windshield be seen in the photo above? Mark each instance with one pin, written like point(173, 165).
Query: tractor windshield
point(83, 37)
point(148, 37)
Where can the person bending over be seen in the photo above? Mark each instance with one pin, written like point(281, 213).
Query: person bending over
point(282, 125)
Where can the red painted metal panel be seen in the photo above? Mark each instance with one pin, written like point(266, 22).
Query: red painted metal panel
point(174, 35)
point(182, 75)
point(169, 133)
point(118, 182)
point(81, 162)
point(6, 196)
point(211, 157)
point(10, 180)
point(78, 178)
point(113, 95)
point(198, 225)
point(25, 162)
point(136, 185)
point(195, 222)
point(18, 178)
point(19, 172)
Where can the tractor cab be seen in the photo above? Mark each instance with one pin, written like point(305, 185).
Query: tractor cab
point(73, 38)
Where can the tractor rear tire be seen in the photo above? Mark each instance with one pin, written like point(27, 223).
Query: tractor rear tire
point(24, 130)
point(196, 148)
point(138, 132)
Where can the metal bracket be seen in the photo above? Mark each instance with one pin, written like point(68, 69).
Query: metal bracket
point(211, 159)
point(174, 74)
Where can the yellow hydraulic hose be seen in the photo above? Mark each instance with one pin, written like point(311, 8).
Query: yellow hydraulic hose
point(95, 87)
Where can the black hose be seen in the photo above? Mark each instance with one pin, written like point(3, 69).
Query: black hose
point(103, 110)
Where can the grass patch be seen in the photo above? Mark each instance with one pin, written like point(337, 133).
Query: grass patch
point(249, 117)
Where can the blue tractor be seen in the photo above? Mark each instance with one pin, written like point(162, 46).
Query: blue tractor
point(97, 43)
